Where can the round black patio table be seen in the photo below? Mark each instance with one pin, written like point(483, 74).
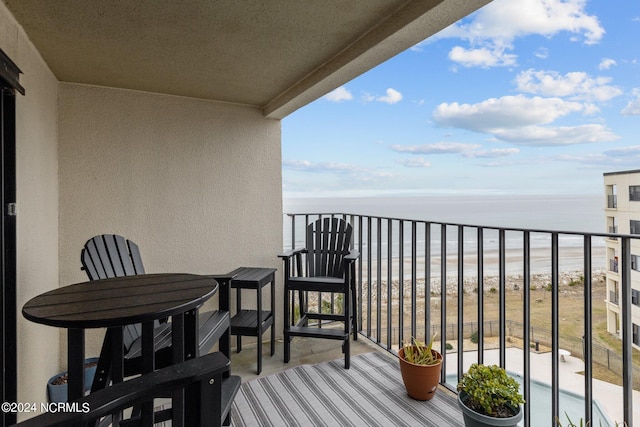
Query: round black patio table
point(114, 303)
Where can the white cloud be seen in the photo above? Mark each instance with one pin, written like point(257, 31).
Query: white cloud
point(494, 27)
point(542, 53)
point(338, 95)
point(392, 97)
point(358, 172)
point(556, 136)
point(633, 107)
point(617, 158)
point(505, 20)
point(483, 57)
point(574, 85)
point(494, 114)
point(436, 148)
point(626, 152)
point(465, 150)
point(491, 153)
point(606, 63)
point(520, 119)
point(415, 162)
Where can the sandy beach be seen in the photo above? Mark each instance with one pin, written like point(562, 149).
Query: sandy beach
point(570, 267)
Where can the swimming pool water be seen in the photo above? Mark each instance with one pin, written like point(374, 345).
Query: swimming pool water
point(540, 404)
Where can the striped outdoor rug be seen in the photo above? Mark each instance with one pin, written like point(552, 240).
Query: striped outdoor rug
point(371, 393)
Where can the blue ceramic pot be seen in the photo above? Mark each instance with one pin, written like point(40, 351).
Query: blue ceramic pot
point(60, 392)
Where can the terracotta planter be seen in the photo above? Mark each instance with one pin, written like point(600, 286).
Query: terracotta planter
point(474, 419)
point(421, 381)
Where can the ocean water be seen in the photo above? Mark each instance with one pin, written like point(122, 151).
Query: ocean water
point(583, 213)
point(564, 213)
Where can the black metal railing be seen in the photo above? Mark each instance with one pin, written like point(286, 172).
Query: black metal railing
point(612, 201)
point(413, 275)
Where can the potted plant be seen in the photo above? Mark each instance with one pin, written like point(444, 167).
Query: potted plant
point(420, 369)
point(489, 397)
point(57, 386)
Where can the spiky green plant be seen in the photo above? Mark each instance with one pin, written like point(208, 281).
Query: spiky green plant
point(419, 353)
point(582, 424)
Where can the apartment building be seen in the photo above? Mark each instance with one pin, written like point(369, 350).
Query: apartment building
point(622, 210)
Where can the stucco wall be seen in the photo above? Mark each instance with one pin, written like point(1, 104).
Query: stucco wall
point(196, 184)
point(37, 200)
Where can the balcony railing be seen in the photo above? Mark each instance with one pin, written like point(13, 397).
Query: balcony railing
point(418, 277)
point(613, 265)
point(612, 201)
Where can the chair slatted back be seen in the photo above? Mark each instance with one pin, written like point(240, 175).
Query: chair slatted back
point(107, 256)
point(110, 255)
point(328, 241)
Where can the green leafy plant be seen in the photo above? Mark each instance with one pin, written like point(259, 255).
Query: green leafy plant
point(474, 337)
point(491, 391)
point(419, 353)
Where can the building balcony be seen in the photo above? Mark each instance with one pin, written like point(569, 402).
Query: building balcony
point(525, 287)
point(524, 299)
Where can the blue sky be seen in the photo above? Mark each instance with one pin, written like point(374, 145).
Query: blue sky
point(521, 97)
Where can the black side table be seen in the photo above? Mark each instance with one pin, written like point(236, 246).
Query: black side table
point(253, 323)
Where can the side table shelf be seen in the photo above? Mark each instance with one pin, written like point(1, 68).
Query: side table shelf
point(253, 323)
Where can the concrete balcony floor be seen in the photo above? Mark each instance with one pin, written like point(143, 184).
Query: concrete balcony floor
point(303, 351)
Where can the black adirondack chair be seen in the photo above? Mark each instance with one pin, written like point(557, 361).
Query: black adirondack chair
point(108, 255)
point(329, 267)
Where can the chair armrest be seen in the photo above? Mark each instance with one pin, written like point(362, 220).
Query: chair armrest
point(292, 252)
point(128, 393)
point(352, 256)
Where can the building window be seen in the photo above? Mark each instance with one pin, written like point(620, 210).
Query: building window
point(635, 262)
point(612, 197)
point(634, 193)
point(634, 227)
point(636, 334)
point(635, 297)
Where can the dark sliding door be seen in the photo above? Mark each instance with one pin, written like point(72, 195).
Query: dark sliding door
point(8, 354)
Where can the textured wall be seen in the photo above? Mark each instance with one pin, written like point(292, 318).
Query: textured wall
point(197, 184)
point(37, 199)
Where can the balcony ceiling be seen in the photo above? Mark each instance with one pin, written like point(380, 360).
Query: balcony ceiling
point(277, 55)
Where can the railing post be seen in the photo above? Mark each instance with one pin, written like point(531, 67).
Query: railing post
point(480, 295)
point(359, 313)
point(586, 342)
point(526, 319)
point(443, 297)
point(400, 282)
point(555, 371)
point(389, 281)
point(502, 310)
point(627, 356)
point(379, 284)
point(427, 281)
point(460, 299)
point(414, 287)
point(369, 277)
